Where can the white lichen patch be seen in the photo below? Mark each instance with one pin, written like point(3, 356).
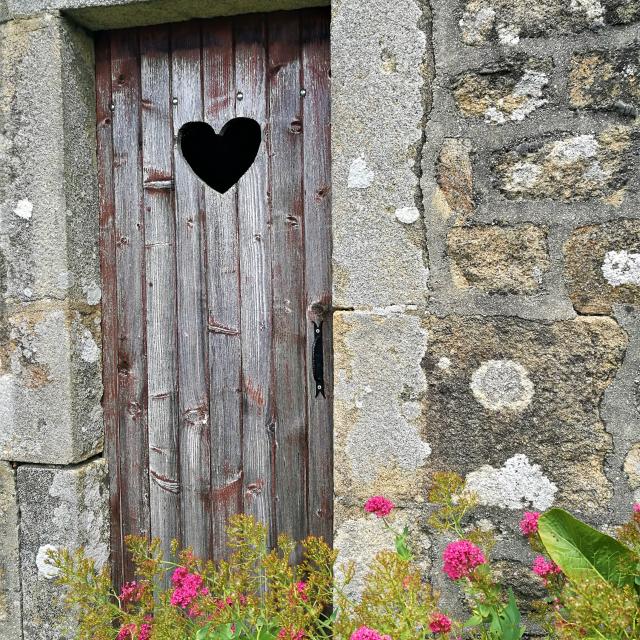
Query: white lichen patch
point(24, 209)
point(571, 150)
point(89, 351)
point(620, 268)
point(476, 24)
point(592, 9)
point(517, 485)
point(45, 569)
point(502, 385)
point(360, 176)
point(93, 293)
point(407, 215)
point(527, 94)
point(524, 175)
point(508, 34)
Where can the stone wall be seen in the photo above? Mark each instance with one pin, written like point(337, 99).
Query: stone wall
point(486, 228)
point(487, 263)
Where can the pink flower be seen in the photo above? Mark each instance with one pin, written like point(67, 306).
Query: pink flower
point(529, 523)
point(545, 568)
point(128, 632)
point(145, 632)
point(364, 633)
point(439, 623)
point(636, 507)
point(460, 558)
point(130, 592)
point(301, 590)
point(187, 587)
point(291, 634)
point(379, 505)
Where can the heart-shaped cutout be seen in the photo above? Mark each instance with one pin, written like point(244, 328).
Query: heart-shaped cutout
point(220, 159)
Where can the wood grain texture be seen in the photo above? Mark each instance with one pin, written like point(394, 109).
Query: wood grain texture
point(161, 287)
point(195, 458)
point(109, 295)
point(130, 278)
point(289, 380)
point(223, 291)
point(258, 444)
point(209, 299)
point(316, 80)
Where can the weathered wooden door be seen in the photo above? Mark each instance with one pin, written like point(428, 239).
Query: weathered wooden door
point(209, 299)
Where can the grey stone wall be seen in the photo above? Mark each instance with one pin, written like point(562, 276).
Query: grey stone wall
point(486, 269)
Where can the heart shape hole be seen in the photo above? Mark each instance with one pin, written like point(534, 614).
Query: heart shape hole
point(220, 159)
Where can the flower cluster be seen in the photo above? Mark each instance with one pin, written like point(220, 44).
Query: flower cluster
point(529, 523)
point(364, 633)
point(545, 568)
point(187, 587)
point(461, 558)
point(439, 623)
point(130, 592)
point(291, 634)
point(379, 506)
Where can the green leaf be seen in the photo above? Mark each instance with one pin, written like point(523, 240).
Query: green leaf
point(402, 547)
point(583, 552)
point(473, 621)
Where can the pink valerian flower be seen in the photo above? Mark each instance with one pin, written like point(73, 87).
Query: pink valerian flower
point(145, 632)
point(379, 506)
point(188, 586)
point(130, 592)
point(461, 558)
point(545, 568)
point(364, 633)
point(636, 507)
point(301, 590)
point(529, 523)
point(127, 632)
point(439, 623)
point(289, 633)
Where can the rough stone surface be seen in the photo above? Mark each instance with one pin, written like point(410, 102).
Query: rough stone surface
point(603, 266)
point(10, 601)
point(606, 80)
point(60, 507)
point(507, 21)
point(498, 259)
point(505, 91)
point(116, 14)
point(378, 260)
point(50, 369)
point(454, 176)
point(632, 466)
point(556, 425)
point(378, 417)
point(568, 167)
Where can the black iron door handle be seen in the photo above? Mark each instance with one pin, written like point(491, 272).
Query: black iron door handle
point(318, 359)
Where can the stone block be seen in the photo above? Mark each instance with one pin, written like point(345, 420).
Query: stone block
point(568, 167)
point(454, 178)
point(44, 417)
point(515, 406)
point(606, 80)
point(602, 263)
point(379, 87)
point(10, 600)
point(378, 423)
point(632, 466)
point(506, 91)
point(506, 21)
point(48, 186)
point(60, 508)
point(498, 259)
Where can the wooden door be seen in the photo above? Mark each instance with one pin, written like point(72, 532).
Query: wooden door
point(211, 301)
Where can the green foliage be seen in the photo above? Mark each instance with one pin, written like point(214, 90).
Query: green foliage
point(583, 553)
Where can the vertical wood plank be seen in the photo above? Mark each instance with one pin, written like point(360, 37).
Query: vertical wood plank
point(109, 294)
point(160, 285)
point(129, 230)
point(255, 279)
point(287, 264)
point(223, 292)
point(195, 460)
point(317, 226)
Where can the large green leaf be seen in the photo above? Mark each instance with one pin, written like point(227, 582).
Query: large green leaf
point(583, 552)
